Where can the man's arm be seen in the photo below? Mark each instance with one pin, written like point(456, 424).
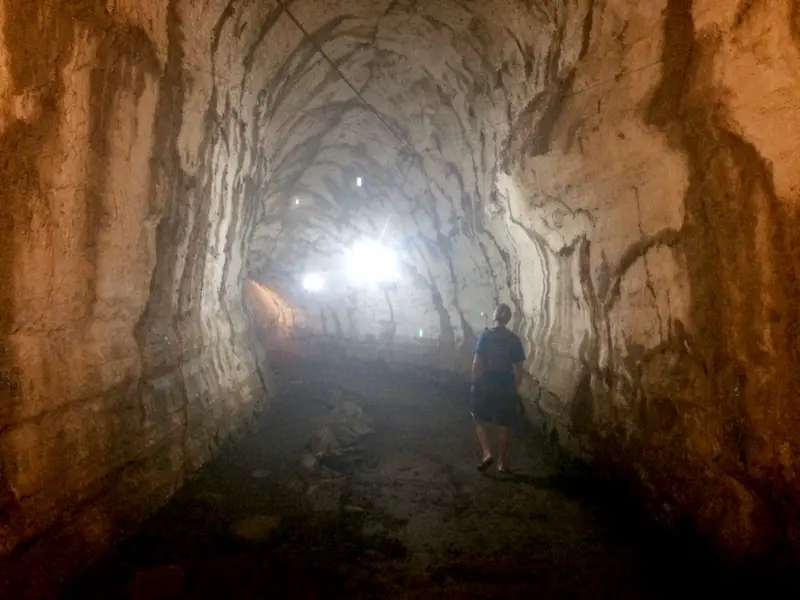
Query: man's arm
point(477, 361)
point(477, 369)
point(518, 373)
point(519, 359)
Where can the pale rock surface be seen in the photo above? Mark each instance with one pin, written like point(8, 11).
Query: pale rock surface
point(624, 173)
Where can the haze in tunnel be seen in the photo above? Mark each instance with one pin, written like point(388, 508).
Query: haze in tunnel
point(623, 173)
point(417, 132)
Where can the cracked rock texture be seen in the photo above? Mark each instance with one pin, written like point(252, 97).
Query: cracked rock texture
point(622, 172)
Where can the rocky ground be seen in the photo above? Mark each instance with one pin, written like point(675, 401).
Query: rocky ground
point(361, 483)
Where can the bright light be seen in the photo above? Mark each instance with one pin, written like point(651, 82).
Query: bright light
point(368, 262)
point(297, 200)
point(313, 282)
point(420, 333)
point(358, 181)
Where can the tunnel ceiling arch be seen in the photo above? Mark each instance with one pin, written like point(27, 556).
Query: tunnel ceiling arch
point(447, 79)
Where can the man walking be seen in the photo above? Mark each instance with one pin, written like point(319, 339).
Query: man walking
point(496, 375)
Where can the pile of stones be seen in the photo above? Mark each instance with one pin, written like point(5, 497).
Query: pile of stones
point(334, 445)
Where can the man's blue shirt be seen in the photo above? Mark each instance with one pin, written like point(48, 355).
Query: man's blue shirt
point(500, 349)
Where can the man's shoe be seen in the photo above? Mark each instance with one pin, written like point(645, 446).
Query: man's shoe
point(485, 463)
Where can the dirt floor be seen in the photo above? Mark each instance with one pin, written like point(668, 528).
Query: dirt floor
point(361, 483)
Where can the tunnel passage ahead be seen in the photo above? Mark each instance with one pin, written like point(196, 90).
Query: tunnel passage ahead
point(623, 173)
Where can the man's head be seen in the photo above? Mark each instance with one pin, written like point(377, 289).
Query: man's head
point(502, 314)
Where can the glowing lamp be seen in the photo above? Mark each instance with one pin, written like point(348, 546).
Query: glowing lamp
point(370, 263)
point(313, 282)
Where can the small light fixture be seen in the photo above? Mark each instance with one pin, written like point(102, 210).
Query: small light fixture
point(297, 200)
point(420, 333)
point(359, 181)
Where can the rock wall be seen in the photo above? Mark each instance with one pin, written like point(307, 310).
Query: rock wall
point(125, 211)
point(273, 320)
point(665, 198)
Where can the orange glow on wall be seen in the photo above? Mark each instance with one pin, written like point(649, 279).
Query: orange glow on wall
point(273, 317)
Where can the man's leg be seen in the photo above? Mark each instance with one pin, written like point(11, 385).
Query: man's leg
point(502, 437)
point(483, 439)
point(482, 416)
point(508, 413)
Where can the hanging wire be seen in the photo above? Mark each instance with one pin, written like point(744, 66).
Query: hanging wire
point(406, 150)
point(342, 76)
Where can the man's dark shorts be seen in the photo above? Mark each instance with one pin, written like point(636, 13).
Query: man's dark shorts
point(498, 406)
